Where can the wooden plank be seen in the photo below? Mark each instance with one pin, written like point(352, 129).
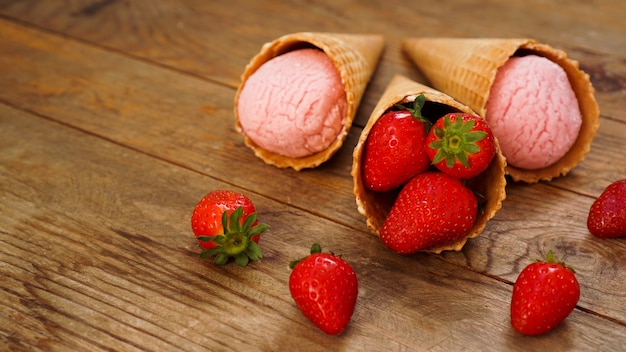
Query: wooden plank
point(160, 113)
point(216, 39)
point(97, 254)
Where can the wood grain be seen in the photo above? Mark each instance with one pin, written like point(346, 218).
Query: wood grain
point(189, 35)
point(107, 105)
point(134, 280)
point(116, 117)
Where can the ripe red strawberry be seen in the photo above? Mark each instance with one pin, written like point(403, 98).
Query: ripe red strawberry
point(225, 225)
point(607, 215)
point(325, 289)
point(544, 294)
point(461, 145)
point(394, 150)
point(431, 210)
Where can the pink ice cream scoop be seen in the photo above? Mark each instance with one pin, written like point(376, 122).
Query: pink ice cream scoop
point(294, 104)
point(533, 112)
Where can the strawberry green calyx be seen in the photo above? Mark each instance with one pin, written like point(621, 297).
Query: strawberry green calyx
point(455, 141)
point(237, 239)
point(416, 111)
point(552, 260)
point(315, 248)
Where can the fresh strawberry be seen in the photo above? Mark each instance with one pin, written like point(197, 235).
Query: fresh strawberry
point(394, 150)
point(607, 215)
point(225, 225)
point(461, 145)
point(544, 294)
point(432, 209)
point(325, 288)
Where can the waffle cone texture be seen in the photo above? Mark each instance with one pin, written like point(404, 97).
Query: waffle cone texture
point(354, 55)
point(465, 68)
point(376, 205)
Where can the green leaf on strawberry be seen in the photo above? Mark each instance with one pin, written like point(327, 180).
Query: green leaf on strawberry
point(461, 145)
point(416, 110)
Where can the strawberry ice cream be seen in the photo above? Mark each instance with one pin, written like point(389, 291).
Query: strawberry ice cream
point(533, 111)
point(294, 104)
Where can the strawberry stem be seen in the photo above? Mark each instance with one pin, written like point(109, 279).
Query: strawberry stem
point(416, 111)
point(315, 248)
point(551, 259)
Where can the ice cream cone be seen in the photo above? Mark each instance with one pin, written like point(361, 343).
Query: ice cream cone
point(376, 205)
point(466, 69)
point(354, 55)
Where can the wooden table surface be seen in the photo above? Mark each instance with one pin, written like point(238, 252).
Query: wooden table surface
point(116, 117)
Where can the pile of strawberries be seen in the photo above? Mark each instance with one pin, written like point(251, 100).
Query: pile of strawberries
point(428, 162)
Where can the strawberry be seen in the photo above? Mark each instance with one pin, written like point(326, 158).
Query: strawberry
point(394, 150)
point(607, 215)
point(325, 289)
point(461, 145)
point(431, 210)
point(225, 225)
point(544, 294)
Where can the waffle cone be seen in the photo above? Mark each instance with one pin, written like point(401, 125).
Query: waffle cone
point(355, 56)
point(376, 205)
point(466, 70)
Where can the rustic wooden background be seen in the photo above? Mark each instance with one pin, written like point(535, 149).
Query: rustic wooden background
point(116, 117)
